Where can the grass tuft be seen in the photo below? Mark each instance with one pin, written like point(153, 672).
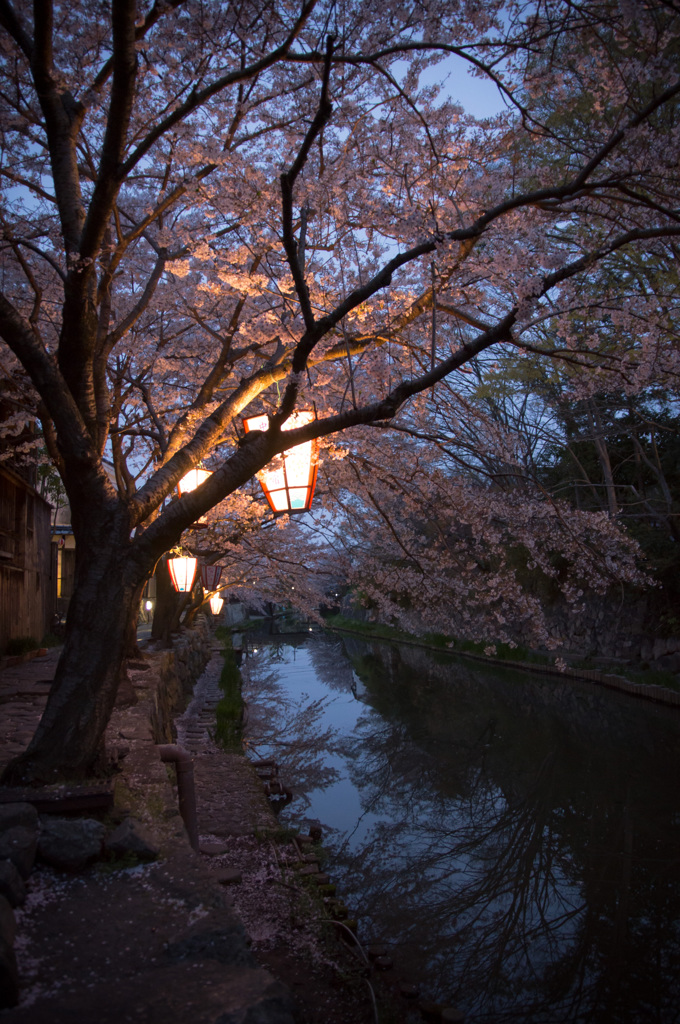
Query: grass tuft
point(21, 645)
point(229, 711)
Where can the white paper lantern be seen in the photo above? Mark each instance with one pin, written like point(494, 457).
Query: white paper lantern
point(289, 485)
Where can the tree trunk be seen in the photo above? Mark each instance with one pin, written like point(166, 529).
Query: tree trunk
point(198, 603)
point(68, 743)
point(600, 443)
point(131, 646)
point(169, 606)
point(126, 692)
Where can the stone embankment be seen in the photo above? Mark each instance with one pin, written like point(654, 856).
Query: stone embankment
point(111, 916)
point(107, 915)
point(610, 680)
point(232, 801)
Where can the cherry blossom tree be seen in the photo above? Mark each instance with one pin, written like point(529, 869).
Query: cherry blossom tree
point(210, 210)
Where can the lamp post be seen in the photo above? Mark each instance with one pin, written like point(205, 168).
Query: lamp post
point(289, 486)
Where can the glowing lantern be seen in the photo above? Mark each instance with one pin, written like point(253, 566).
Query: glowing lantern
point(191, 480)
point(182, 573)
point(210, 576)
point(290, 486)
point(216, 603)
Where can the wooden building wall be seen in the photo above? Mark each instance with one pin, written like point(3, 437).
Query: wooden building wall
point(26, 586)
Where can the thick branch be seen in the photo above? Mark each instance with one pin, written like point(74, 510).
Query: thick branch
point(74, 439)
point(117, 123)
point(63, 117)
point(140, 306)
point(159, 9)
point(11, 24)
point(288, 179)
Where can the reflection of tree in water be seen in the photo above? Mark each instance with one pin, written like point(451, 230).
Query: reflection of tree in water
point(289, 727)
point(331, 665)
point(533, 890)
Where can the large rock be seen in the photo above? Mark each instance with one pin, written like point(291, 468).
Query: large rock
point(9, 977)
point(669, 663)
point(8, 925)
point(18, 815)
point(178, 993)
point(224, 942)
point(664, 646)
point(70, 843)
point(19, 836)
point(132, 839)
point(19, 842)
point(11, 884)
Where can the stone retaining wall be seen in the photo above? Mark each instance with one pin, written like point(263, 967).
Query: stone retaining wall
point(648, 691)
point(606, 628)
point(177, 671)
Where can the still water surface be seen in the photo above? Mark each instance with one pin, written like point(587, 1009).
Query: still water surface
point(514, 838)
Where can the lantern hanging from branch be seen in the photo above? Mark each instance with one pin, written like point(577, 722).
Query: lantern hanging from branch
point(210, 576)
point(216, 603)
point(182, 571)
point(288, 485)
point(193, 479)
point(189, 482)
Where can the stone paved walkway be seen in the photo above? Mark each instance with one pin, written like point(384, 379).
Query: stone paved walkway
point(23, 695)
point(158, 943)
point(230, 797)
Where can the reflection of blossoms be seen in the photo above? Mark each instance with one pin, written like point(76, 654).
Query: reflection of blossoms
point(286, 726)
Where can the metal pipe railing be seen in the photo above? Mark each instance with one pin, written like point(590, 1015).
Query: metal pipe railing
point(186, 790)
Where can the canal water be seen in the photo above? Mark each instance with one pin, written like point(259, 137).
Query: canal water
point(514, 839)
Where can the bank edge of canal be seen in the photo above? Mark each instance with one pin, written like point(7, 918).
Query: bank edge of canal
point(647, 691)
point(167, 940)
